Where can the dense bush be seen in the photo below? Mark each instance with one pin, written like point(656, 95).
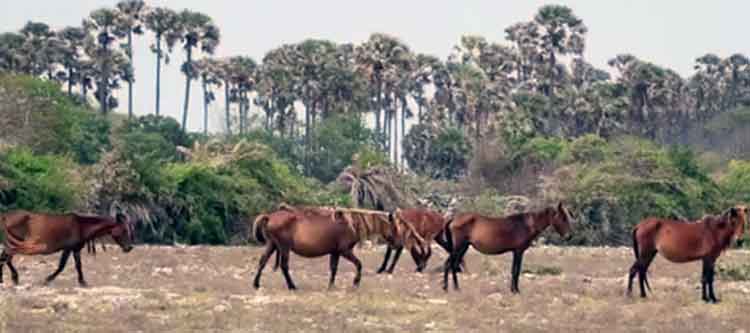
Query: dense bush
point(440, 154)
point(36, 182)
point(629, 180)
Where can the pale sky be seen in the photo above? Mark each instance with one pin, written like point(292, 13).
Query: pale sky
point(667, 32)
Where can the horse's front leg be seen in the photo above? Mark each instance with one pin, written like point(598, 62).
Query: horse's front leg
point(3, 258)
point(334, 263)
point(270, 249)
point(60, 267)
point(709, 272)
point(396, 256)
point(79, 268)
point(385, 260)
point(516, 270)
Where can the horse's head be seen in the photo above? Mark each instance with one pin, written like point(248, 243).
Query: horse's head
point(561, 221)
point(741, 220)
point(392, 233)
point(122, 233)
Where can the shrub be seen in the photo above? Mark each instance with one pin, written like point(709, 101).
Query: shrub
point(45, 183)
point(439, 154)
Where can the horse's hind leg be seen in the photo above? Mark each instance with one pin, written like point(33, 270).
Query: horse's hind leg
point(388, 251)
point(456, 262)
point(79, 268)
point(349, 255)
point(396, 256)
point(270, 249)
point(631, 276)
point(60, 267)
point(284, 253)
point(643, 264)
point(334, 263)
point(4, 257)
point(13, 271)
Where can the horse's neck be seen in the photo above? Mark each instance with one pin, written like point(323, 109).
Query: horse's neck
point(91, 231)
point(537, 222)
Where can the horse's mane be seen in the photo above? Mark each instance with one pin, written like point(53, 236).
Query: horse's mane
point(92, 219)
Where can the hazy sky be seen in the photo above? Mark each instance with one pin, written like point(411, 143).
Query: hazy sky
point(667, 32)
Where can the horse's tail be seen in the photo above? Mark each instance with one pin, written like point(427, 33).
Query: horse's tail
point(259, 228)
point(635, 244)
point(448, 235)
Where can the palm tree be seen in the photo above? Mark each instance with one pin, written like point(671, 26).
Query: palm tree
point(563, 33)
point(198, 31)
point(165, 24)
point(102, 25)
point(243, 81)
point(40, 49)
point(210, 73)
point(277, 78)
point(10, 51)
point(130, 22)
point(73, 39)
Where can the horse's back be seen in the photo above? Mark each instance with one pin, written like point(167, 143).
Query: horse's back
point(427, 222)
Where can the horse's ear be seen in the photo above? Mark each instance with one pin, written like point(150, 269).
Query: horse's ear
point(121, 218)
point(560, 207)
point(733, 212)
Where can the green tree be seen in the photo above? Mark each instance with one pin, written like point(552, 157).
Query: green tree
point(167, 27)
point(198, 31)
point(130, 21)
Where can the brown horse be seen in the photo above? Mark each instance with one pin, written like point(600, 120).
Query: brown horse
point(31, 234)
point(498, 235)
point(679, 241)
point(311, 232)
point(429, 225)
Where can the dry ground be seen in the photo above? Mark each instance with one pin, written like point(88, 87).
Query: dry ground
point(207, 289)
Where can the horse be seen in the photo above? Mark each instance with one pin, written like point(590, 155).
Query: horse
point(33, 234)
point(680, 242)
point(429, 225)
point(498, 235)
point(311, 233)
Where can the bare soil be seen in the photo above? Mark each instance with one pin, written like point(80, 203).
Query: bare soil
point(207, 289)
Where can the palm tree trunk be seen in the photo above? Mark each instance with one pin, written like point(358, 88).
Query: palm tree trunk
point(130, 82)
point(158, 72)
point(205, 107)
point(226, 107)
point(419, 113)
point(70, 81)
point(307, 139)
point(403, 127)
point(394, 131)
point(188, 78)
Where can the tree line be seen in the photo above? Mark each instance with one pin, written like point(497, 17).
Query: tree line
point(536, 82)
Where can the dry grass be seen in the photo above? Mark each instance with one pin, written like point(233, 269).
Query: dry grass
point(204, 289)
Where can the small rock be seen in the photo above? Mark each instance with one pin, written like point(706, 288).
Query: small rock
point(587, 279)
point(495, 296)
point(437, 301)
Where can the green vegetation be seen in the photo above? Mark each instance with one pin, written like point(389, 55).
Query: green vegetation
point(499, 126)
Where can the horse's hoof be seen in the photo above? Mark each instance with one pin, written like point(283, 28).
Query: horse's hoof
point(380, 271)
point(256, 286)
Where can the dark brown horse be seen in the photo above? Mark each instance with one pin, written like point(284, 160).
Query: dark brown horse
point(317, 232)
point(679, 241)
point(498, 235)
point(31, 234)
point(429, 225)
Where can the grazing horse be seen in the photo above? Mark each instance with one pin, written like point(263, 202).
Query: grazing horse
point(498, 235)
point(31, 234)
point(680, 241)
point(429, 225)
point(315, 232)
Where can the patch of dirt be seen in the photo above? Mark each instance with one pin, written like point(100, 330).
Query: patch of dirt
point(202, 289)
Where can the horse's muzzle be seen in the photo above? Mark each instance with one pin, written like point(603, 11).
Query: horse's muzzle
point(740, 242)
point(127, 249)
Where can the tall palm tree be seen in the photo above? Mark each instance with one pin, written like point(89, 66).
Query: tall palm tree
point(166, 25)
point(101, 24)
point(210, 74)
point(198, 31)
point(243, 81)
point(277, 78)
point(130, 21)
point(563, 34)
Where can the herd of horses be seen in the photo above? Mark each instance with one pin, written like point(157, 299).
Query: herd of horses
point(318, 231)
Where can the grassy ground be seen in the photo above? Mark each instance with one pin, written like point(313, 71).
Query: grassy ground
point(205, 289)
